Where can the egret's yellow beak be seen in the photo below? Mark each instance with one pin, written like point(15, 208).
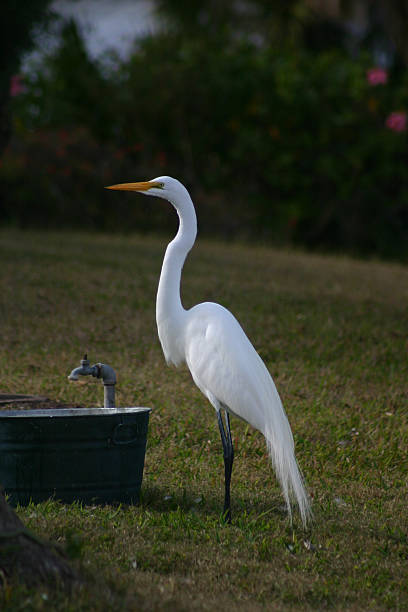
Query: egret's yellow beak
point(144, 186)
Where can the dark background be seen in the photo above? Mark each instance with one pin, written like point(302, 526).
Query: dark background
point(286, 120)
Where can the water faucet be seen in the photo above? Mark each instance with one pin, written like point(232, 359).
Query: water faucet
point(98, 370)
point(83, 370)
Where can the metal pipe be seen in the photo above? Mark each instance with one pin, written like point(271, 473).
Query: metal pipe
point(109, 396)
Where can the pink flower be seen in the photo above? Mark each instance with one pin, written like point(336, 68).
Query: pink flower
point(377, 76)
point(397, 121)
point(16, 85)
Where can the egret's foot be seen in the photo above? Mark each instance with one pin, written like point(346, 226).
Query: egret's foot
point(227, 516)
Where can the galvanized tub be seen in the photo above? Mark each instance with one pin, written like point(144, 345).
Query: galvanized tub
point(92, 455)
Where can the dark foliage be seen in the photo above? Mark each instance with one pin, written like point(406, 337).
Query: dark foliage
point(18, 20)
point(283, 143)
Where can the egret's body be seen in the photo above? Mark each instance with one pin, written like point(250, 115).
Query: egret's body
point(222, 361)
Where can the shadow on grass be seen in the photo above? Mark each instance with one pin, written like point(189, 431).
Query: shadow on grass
point(160, 500)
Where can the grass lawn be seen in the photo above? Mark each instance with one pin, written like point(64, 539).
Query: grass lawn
point(333, 332)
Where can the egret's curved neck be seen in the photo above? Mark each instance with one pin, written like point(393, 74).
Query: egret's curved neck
point(168, 304)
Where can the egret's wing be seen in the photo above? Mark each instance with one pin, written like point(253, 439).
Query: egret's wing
point(225, 365)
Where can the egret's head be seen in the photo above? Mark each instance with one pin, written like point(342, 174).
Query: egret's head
point(162, 187)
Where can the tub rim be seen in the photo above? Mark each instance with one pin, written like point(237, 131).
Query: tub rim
point(49, 413)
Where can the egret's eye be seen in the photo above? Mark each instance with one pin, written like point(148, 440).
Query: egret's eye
point(160, 185)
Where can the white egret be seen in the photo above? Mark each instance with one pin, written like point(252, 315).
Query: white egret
point(222, 361)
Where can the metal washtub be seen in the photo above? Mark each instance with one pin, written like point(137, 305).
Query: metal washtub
point(92, 455)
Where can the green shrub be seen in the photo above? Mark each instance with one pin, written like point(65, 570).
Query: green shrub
point(275, 144)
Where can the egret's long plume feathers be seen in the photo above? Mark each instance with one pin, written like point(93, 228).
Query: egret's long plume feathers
point(288, 473)
point(273, 422)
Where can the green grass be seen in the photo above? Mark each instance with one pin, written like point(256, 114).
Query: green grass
point(333, 332)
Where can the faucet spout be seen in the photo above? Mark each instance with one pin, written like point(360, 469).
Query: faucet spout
point(83, 370)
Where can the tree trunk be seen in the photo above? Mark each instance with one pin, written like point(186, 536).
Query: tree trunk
point(28, 558)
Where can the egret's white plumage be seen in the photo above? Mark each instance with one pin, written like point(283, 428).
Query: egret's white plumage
point(222, 361)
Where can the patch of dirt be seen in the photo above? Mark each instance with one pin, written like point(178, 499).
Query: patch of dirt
point(25, 402)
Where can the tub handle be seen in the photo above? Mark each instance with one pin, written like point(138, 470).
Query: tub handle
point(118, 427)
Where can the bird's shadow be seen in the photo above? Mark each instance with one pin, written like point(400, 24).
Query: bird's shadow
point(156, 498)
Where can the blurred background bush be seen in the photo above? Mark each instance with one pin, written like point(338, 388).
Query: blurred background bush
point(286, 120)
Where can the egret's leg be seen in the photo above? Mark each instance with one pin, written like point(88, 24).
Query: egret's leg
point(228, 468)
point(228, 461)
